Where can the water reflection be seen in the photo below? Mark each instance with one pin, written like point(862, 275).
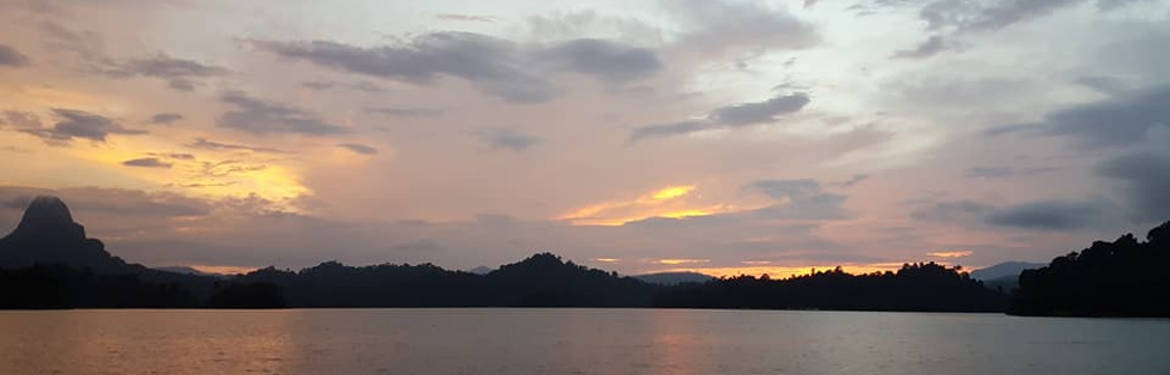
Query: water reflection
point(571, 341)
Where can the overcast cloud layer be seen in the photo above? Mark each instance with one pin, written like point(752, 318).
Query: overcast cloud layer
point(712, 135)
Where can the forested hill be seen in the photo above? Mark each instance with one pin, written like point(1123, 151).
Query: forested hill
point(1126, 277)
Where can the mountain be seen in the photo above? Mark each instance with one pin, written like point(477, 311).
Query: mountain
point(674, 278)
point(481, 270)
point(184, 270)
point(1003, 270)
point(1126, 277)
point(47, 234)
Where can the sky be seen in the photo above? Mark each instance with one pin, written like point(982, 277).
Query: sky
point(716, 136)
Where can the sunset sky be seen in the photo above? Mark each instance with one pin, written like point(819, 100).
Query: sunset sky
point(636, 136)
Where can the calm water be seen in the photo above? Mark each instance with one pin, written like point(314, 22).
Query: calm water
point(572, 341)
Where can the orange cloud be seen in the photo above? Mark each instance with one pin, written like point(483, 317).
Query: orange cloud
point(950, 254)
point(681, 261)
point(669, 202)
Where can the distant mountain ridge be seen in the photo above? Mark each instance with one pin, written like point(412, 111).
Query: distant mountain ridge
point(674, 278)
point(1002, 270)
point(48, 262)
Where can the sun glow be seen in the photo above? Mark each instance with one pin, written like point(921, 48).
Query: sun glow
point(671, 202)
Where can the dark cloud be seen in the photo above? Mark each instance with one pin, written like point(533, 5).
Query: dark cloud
point(930, 47)
point(669, 130)
point(1146, 177)
point(407, 112)
point(362, 86)
point(730, 116)
point(79, 124)
point(496, 66)
point(261, 117)
point(201, 143)
point(1047, 215)
point(506, 138)
point(1004, 171)
point(165, 118)
point(147, 163)
point(761, 112)
point(609, 61)
point(359, 148)
point(180, 74)
point(1120, 120)
point(803, 199)
point(10, 57)
point(966, 16)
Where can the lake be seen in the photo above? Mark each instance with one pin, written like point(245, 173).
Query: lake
point(572, 341)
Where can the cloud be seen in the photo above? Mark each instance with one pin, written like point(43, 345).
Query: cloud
point(728, 117)
point(802, 199)
point(79, 124)
point(951, 211)
point(1146, 177)
point(147, 163)
point(201, 143)
point(506, 138)
point(930, 47)
point(1004, 171)
point(722, 27)
point(950, 254)
point(498, 67)
point(407, 112)
point(1120, 120)
point(165, 118)
point(465, 17)
point(1047, 215)
point(611, 62)
point(261, 117)
point(10, 57)
point(973, 16)
point(761, 112)
point(109, 201)
point(362, 86)
point(180, 74)
point(359, 148)
point(856, 179)
point(22, 120)
point(668, 130)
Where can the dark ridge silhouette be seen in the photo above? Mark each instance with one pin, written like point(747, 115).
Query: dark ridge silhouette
point(48, 262)
point(674, 278)
point(1005, 269)
point(914, 287)
point(1125, 277)
point(47, 235)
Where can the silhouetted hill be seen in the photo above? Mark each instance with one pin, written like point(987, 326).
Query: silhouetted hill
point(914, 287)
point(1005, 269)
point(674, 278)
point(1125, 277)
point(47, 235)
